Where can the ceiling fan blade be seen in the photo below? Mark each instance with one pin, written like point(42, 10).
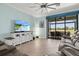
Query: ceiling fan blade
point(51, 7)
point(34, 6)
point(57, 4)
point(37, 3)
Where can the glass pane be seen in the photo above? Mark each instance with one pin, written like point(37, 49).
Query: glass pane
point(60, 27)
point(60, 24)
point(70, 27)
point(51, 27)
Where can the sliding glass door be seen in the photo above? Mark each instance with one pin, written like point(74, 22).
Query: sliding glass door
point(62, 25)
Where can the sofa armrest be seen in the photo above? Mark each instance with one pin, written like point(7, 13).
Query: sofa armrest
point(66, 37)
point(72, 46)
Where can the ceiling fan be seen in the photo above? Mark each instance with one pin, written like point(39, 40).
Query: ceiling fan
point(45, 6)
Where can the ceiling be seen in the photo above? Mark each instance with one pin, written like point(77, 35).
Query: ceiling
point(33, 9)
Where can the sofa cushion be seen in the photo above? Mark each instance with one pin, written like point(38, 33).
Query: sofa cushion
point(77, 44)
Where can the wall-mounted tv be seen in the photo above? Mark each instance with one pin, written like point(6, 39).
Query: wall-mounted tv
point(21, 25)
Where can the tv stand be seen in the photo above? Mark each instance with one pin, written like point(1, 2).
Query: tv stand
point(19, 38)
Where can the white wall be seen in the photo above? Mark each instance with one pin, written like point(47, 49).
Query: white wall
point(7, 17)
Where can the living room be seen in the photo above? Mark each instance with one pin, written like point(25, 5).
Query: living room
point(30, 29)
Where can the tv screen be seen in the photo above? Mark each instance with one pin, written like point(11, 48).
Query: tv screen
point(21, 25)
